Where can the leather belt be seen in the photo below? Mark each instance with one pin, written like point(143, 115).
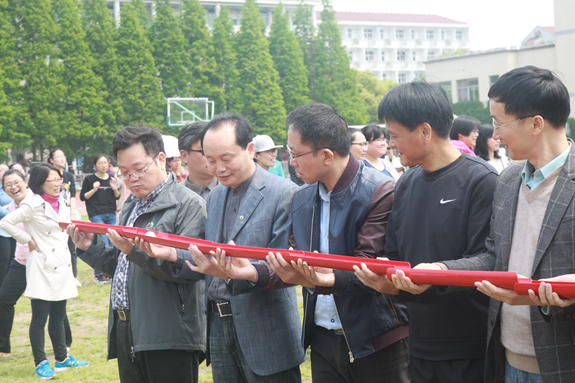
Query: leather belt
point(224, 308)
point(123, 315)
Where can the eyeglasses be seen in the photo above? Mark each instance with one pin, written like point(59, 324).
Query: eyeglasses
point(197, 151)
point(293, 157)
point(102, 164)
point(59, 157)
point(362, 144)
point(15, 184)
point(137, 173)
point(497, 127)
point(55, 181)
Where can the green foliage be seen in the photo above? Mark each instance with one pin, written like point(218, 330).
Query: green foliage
point(305, 31)
point(571, 123)
point(372, 90)
point(261, 94)
point(227, 74)
point(474, 109)
point(200, 60)
point(169, 51)
point(81, 117)
point(101, 31)
point(142, 13)
point(288, 61)
point(336, 82)
point(141, 94)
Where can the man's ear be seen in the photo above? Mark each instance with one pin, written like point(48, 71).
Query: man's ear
point(426, 131)
point(184, 156)
point(539, 125)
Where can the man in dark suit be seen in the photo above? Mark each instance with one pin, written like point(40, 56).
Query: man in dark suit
point(531, 230)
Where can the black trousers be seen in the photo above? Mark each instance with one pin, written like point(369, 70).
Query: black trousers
point(330, 362)
point(40, 311)
point(7, 249)
point(72, 248)
point(155, 366)
point(12, 289)
point(447, 371)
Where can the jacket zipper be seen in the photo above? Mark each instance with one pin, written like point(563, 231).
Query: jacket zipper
point(310, 249)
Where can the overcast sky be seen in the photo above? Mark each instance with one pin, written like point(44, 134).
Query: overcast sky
point(494, 23)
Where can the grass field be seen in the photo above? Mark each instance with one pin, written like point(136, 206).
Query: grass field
point(88, 316)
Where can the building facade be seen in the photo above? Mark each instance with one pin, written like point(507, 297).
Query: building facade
point(396, 46)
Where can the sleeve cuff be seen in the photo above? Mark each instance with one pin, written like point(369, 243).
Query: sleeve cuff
point(263, 275)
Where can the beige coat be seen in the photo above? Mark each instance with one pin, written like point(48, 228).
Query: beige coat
point(48, 270)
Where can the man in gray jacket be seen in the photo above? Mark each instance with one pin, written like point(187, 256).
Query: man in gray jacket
point(156, 326)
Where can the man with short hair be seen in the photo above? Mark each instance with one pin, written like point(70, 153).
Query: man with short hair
point(156, 326)
point(199, 180)
point(441, 212)
point(531, 229)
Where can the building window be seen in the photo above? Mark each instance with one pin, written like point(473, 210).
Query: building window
point(413, 56)
point(446, 86)
point(442, 35)
point(399, 34)
point(458, 35)
point(400, 56)
point(468, 90)
point(492, 79)
point(350, 56)
point(413, 34)
point(429, 35)
point(382, 56)
point(430, 55)
point(349, 33)
point(368, 55)
point(383, 76)
point(381, 34)
point(367, 33)
point(401, 78)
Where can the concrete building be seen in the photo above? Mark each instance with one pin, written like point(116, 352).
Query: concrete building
point(469, 76)
point(395, 46)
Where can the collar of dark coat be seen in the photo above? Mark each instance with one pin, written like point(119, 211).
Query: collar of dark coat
point(166, 199)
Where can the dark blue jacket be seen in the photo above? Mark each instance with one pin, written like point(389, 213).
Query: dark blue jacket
point(360, 204)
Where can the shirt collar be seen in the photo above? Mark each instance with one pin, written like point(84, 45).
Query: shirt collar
point(152, 196)
point(532, 177)
point(244, 187)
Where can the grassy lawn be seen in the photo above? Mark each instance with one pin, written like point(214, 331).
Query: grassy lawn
point(88, 316)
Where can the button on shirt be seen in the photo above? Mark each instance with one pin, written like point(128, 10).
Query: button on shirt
point(325, 314)
point(532, 178)
point(217, 289)
point(120, 282)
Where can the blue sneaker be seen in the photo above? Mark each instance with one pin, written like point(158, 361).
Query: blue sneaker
point(44, 371)
point(70, 361)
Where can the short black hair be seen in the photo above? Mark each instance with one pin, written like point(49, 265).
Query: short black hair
point(372, 132)
point(352, 133)
point(97, 158)
point(241, 125)
point(320, 126)
point(150, 138)
point(415, 103)
point(190, 135)
point(533, 91)
point(13, 171)
point(38, 175)
point(53, 152)
point(112, 161)
point(464, 125)
point(481, 148)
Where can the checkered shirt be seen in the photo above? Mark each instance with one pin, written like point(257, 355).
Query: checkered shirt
point(120, 300)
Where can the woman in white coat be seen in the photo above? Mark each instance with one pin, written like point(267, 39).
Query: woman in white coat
point(50, 281)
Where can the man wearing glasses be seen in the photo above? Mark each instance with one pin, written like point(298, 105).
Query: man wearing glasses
point(199, 180)
point(532, 230)
point(156, 326)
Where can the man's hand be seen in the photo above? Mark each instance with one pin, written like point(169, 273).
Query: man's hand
point(504, 295)
point(156, 251)
point(549, 298)
point(377, 282)
point(205, 264)
point(406, 284)
point(286, 271)
point(319, 276)
point(119, 242)
point(81, 240)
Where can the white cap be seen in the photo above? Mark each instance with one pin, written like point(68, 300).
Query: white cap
point(263, 143)
point(171, 146)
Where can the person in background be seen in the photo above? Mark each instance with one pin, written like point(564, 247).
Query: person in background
point(18, 167)
point(68, 192)
point(100, 191)
point(358, 144)
point(121, 187)
point(377, 146)
point(173, 160)
point(266, 155)
point(293, 175)
point(464, 132)
point(488, 148)
point(7, 243)
point(49, 278)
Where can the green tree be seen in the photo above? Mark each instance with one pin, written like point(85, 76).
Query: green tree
point(261, 94)
point(305, 31)
point(42, 91)
point(474, 109)
point(81, 117)
point(372, 90)
point(142, 13)
point(101, 32)
point(169, 51)
point(336, 82)
point(288, 61)
point(141, 94)
point(227, 74)
point(201, 62)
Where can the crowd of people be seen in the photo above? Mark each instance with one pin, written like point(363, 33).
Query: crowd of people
point(443, 206)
